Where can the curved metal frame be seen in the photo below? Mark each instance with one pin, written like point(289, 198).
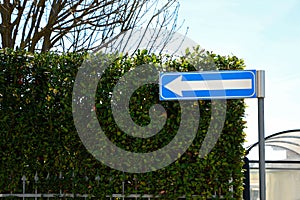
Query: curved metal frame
point(249, 148)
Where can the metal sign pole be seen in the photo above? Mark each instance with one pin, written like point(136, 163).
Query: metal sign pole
point(174, 87)
point(261, 133)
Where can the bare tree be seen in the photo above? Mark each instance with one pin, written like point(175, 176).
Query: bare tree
point(75, 25)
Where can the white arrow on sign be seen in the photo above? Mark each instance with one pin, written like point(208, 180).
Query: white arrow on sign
point(178, 85)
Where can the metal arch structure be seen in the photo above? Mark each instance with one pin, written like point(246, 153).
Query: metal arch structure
point(288, 140)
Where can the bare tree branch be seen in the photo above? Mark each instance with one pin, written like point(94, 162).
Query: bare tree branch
point(74, 25)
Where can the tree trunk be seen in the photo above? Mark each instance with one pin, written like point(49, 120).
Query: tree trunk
point(6, 26)
point(46, 43)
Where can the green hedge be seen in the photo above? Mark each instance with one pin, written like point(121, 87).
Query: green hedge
point(37, 132)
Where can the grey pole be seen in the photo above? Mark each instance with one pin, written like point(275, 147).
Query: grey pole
point(260, 83)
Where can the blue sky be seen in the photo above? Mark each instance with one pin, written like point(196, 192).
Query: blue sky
point(266, 34)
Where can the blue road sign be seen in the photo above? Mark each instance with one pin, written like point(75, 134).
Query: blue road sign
point(207, 85)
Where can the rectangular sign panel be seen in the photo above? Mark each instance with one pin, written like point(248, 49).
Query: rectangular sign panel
point(207, 85)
